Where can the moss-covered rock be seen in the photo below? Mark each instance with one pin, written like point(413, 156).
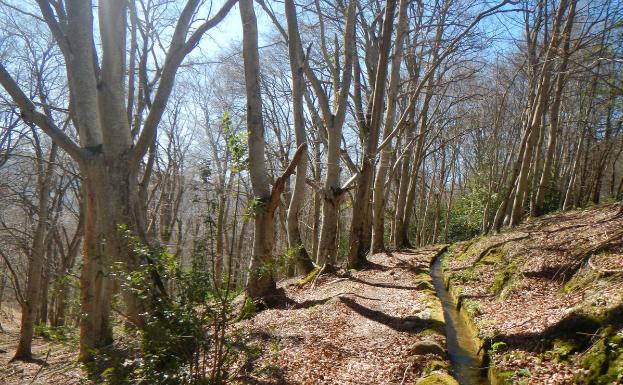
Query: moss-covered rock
point(438, 378)
point(427, 347)
point(604, 362)
point(562, 349)
point(436, 366)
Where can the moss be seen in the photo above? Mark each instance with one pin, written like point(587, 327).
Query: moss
point(501, 285)
point(495, 256)
point(424, 282)
point(603, 362)
point(562, 349)
point(431, 333)
point(437, 313)
point(309, 276)
point(435, 365)
point(581, 279)
point(472, 307)
point(438, 378)
point(506, 376)
point(463, 276)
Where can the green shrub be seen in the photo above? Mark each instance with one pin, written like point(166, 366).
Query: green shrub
point(185, 339)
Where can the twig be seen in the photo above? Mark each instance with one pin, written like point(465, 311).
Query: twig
point(318, 275)
point(404, 375)
point(45, 362)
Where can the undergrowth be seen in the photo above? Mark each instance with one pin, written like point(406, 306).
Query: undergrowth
point(185, 338)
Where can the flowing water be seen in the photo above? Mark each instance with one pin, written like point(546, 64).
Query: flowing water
point(462, 347)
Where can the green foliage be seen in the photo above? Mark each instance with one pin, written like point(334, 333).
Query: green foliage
point(236, 144)
point(468, 211)
point(184, 339)
point(57, 334)
point(254, 207)
point(497, 346)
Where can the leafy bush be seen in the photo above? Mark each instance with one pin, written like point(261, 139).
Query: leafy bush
point(185, 338)
point(52, 333)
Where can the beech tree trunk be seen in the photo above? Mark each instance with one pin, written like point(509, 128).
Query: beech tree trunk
point(360, 224)
point(544, 182)
point(333, 122)
point(32, 296)
point(535, 120)
point(107, 155)
point(304, 263)
point(378, 211)
point(260, 283)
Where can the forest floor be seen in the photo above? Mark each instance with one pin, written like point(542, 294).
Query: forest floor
point(547, 296)
point(381, 325)
point(55, 362)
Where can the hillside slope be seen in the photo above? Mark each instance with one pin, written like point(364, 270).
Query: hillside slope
point(547, 297)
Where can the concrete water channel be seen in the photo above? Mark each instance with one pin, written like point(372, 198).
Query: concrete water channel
point(462, 345)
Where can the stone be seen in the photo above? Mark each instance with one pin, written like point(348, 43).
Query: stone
point(427, 347)
point(437, 379)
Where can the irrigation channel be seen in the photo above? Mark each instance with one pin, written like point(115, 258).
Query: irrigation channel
point(462, 345)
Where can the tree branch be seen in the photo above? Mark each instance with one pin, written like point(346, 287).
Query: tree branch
point(18, 290)
point(281, 181)
point(178, 50)
point(30, 114)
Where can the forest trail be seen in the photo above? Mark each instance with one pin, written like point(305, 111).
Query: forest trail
point(367, 328)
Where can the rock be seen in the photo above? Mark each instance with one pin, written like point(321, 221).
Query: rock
point(427, 347)
point(437, 379)
point(436, 366)
point(424, 315)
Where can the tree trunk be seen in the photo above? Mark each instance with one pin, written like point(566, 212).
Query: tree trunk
point(333, 122)
point(261, 283)
point(30, 305)
point(111, 201)
point(304, 263)
point(552, 142)
point(378, 211)
point(534, 122)
point(399, 228)
point(360, 224)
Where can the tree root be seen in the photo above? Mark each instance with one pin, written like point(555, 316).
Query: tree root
point(603, 272)
point(583, 256)
point(489, 248)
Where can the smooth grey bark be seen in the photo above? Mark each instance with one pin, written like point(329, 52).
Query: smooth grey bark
point(378, 212)
point(360, 224)
point(333, 122)
point(534, 122)
point(108, 161)
point(260, 283)
point(304, 263)
point(32, 295)
point(552, 141)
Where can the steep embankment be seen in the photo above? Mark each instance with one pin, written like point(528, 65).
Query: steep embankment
point(382, 325)
point(546, 298)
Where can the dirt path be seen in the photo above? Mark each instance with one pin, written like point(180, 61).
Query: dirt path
point(365, 329)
